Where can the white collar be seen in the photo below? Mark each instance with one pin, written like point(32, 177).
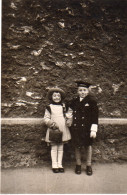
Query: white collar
point(81, 99)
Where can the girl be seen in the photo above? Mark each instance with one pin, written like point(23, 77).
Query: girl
point(55, 116)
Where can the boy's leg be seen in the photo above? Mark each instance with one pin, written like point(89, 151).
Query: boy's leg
point(78, 156)
point(54, 156)
point(60, 155)
point(78, 160)
point(89, 160)
point(89, 155)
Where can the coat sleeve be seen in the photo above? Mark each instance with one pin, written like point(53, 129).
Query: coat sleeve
point(71, 104)
point(94, 116)
point(47, 118)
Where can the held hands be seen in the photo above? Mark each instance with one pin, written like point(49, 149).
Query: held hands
point(68, 122)
point(93, 134)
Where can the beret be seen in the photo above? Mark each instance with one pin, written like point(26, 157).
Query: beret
point(83, 84)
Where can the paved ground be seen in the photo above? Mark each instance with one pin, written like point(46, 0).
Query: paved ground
point(107, 178)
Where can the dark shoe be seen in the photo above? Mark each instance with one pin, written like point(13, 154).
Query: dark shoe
point(78, 169)
point(55, 170)
point(89, 170)
point(61, 170)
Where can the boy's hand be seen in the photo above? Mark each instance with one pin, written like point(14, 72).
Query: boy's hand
point(93, 134)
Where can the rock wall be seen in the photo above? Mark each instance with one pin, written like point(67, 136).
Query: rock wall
point(47, 43)
point(24, 146)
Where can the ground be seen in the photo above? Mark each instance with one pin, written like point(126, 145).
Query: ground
point(107, 179)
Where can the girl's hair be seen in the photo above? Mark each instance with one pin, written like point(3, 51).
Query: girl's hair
point(56, 90)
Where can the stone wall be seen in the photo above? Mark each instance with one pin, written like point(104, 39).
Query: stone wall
point(23, 145)
point(47, 43)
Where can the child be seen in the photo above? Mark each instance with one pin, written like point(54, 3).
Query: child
point(84, 125)
point(55, 116)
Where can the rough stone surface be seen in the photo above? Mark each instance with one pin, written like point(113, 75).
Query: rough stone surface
point(47, 43)
point(24, 146)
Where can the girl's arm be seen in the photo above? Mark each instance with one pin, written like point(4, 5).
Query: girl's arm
point(47, 118)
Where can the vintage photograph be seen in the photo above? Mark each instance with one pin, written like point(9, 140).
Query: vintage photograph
point(64, 97)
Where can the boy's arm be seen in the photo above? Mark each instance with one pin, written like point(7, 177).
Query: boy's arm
point(94, 126)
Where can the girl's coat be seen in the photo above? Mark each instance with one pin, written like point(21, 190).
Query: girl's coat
point(56, 114)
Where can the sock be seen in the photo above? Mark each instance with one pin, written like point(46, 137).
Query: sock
point(54, 156)
point(60, 155)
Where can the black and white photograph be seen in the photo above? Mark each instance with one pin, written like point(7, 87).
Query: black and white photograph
point(64, 97)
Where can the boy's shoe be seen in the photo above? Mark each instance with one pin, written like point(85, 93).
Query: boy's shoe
point(89, 170)
point(55, 170)
point(61, 170)
point(78, 169)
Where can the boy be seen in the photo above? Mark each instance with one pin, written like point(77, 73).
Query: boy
point(85, 124)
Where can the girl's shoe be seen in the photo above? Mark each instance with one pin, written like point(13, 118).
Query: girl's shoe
point(61, 170)
point(89, 170)
point(78, 169)
point(55, 170)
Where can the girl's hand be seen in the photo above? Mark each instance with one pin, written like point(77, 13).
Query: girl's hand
point(54, 126)
point(49, 124)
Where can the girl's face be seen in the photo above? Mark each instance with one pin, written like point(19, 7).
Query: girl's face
point(56, 97)
point(83, 92)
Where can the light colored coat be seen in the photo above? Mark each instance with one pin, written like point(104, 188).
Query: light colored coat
point(57, 116)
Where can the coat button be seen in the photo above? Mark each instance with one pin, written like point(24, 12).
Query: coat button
point(82, 117)
point(74, 124)
point(75, 111)
point(75, 117)
point(82, 125)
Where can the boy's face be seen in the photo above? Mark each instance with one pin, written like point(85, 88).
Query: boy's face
point(83, 92)
point(56, 97)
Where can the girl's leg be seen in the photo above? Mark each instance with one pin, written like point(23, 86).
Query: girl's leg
point(54, 156)
point(89, 155)
point(60, 155)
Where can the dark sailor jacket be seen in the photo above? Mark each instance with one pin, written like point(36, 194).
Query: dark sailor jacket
point(85, 114)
